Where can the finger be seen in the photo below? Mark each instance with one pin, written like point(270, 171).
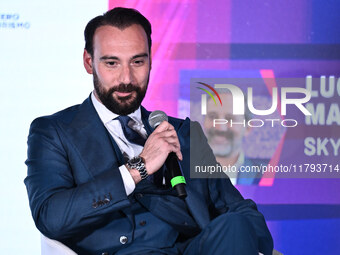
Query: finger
point(167, 133)
point(172, 140)
point(176, 149)
point(179, 154)
point(164, 126)
point(171, 137)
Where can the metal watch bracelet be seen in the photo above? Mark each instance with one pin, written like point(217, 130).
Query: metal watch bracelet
point(138, 163)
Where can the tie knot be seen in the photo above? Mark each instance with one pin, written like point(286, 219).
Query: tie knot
point(124, 120)
point(131, 135)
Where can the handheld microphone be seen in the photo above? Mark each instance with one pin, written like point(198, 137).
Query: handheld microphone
point(174, 168)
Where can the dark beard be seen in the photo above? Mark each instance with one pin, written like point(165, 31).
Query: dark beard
point(120, 106)
point(227, 150)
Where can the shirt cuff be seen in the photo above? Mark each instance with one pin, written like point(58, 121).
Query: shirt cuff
point(129, 183)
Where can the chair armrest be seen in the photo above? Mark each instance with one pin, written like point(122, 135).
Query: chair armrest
point(53, 247)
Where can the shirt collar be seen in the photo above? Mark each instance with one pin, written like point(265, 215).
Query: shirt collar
point(106, 115)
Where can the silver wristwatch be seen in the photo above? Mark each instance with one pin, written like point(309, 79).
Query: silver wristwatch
point(138, 163)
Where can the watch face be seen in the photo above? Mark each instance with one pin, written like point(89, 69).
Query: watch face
point(135, 160)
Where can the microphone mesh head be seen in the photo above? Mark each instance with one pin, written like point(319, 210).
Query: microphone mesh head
point(156, 118)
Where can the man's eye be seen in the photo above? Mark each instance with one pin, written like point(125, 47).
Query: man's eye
point(111, 63)
point(138, 62)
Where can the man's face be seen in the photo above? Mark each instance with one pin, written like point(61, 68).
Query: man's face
point(224, 139)
point(120, 66)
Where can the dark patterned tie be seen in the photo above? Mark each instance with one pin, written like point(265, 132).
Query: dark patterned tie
point(131, 135)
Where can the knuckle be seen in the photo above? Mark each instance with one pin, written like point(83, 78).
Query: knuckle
point(165, 123)
point(164, 143)
point(158, 136)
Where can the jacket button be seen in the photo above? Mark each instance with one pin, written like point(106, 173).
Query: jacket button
point(139, 195)
point(106, 200)
point(105, 253)
point(123, 239)
point(142, 222)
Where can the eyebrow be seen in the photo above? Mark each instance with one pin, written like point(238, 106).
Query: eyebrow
point(142, 55)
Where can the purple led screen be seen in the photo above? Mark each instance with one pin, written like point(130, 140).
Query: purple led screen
point(233, 38)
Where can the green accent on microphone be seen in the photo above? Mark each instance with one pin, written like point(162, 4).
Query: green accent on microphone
point(177, 180)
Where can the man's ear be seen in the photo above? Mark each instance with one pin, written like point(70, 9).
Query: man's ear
point(87, 60)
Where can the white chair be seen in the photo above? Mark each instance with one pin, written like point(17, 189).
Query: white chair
point(53, 247)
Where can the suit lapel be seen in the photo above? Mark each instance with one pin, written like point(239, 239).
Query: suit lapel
point(92, 141)
point(145, 119)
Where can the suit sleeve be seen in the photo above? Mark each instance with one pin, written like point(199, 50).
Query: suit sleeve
point(225, 198)
point(60, 208)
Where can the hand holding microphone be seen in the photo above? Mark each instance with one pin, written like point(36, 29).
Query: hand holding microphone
point(163, 146)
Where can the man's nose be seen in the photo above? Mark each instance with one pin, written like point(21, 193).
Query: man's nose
point(126, 75)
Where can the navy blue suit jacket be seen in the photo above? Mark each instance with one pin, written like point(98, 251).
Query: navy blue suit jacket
point(76, 191)
point(251, 178)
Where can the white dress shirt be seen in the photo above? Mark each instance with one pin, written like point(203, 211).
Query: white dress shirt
point(115, 129)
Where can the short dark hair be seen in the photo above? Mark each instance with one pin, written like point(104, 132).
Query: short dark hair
point(118, 17)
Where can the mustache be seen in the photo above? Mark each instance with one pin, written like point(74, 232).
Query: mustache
point(226, 134)
point(126, 88)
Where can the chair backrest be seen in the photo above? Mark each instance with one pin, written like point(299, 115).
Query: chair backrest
point(53, 247)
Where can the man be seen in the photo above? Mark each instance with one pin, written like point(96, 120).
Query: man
point(226, 141)
point(97, 190)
